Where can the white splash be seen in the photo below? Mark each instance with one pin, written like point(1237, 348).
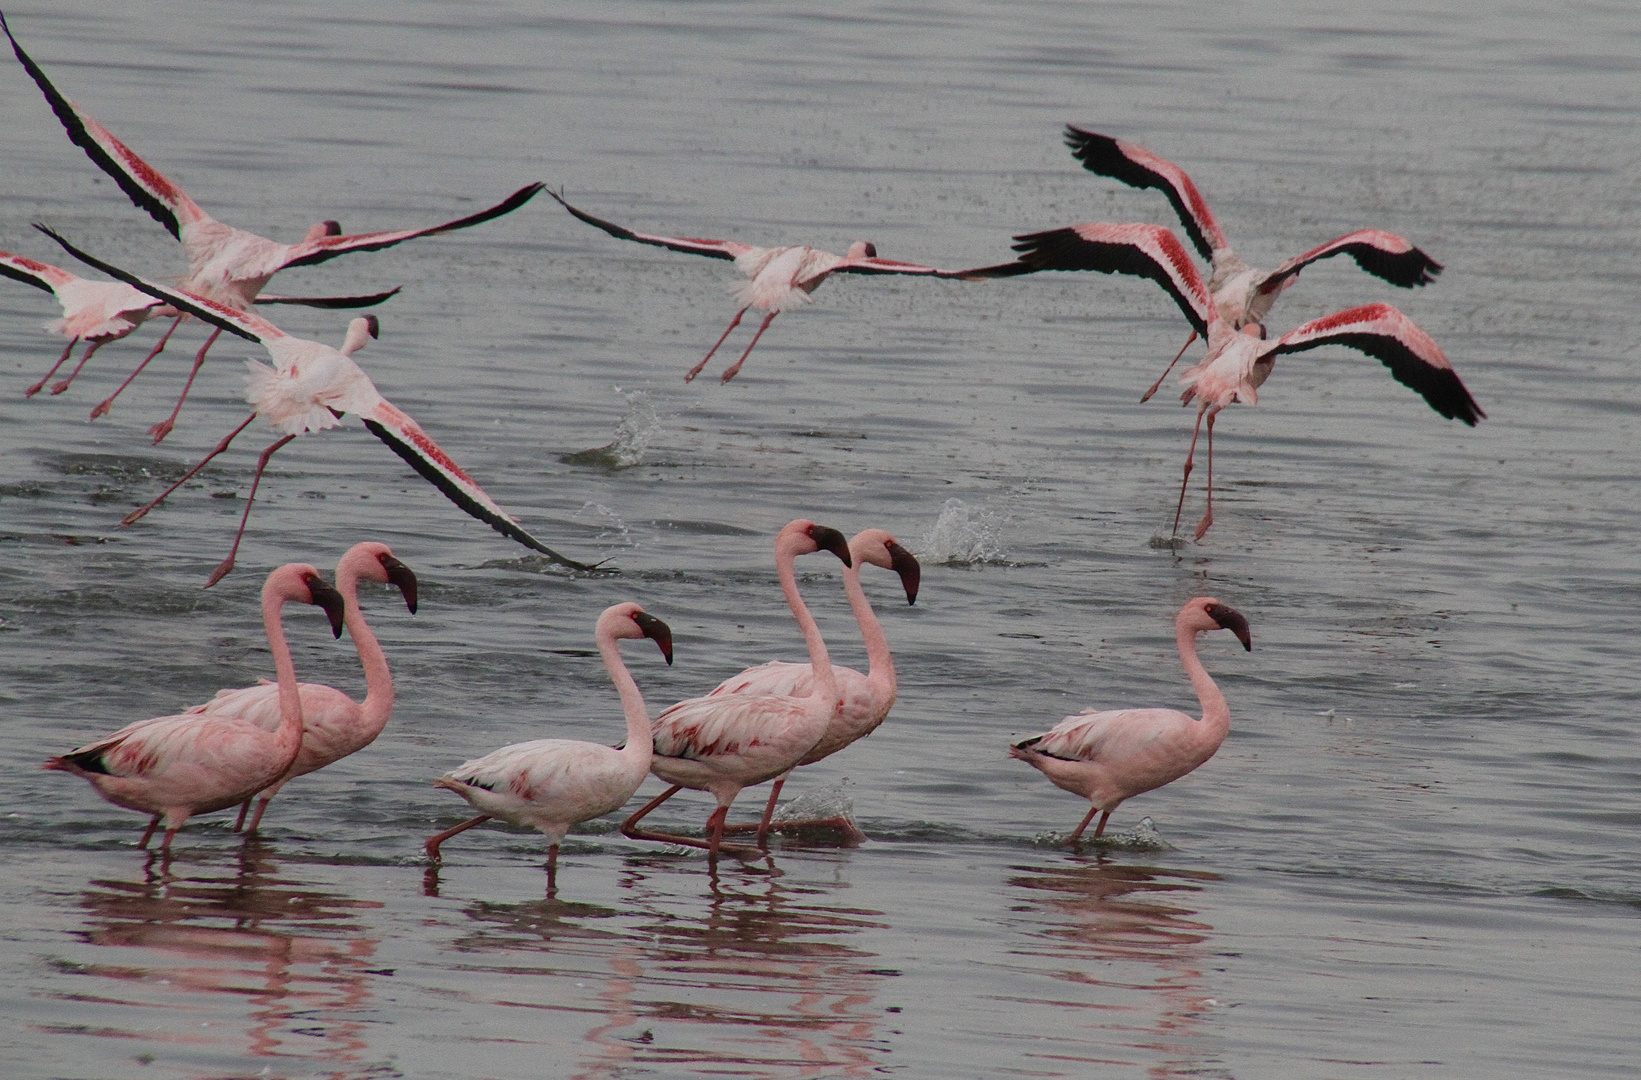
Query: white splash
point(633, 434)
point(963, 537)
point(612, 530)
point(830, 801)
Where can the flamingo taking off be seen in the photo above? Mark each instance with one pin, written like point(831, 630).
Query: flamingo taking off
point(174, 767)
point(309, 388)
point(333, 724)
point(228, 265)
point(867, 698)
point(781, 277)
point(722, 743)
point(551, 784)
point(1107, 757)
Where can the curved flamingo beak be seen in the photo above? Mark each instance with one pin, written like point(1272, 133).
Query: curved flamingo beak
point(906, 565)
point(831, 540)
point(1234, 621)
point(399, 574)
point(333, 228)
point(329, 599)
point(655, 630)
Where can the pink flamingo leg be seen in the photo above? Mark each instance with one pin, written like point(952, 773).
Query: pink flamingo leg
point(1077, 834)
point(694, 371)
point(713, 843)
point(1187, 478)
point(135, 515)
point(730, 372)
point(148, 833)
point(256, 818)
point(1208, 518)
point(108, 402)
point(433, 842)
point(37, 387)
point(1147, 395)
point(244, 808)
point(226, 566)
point(163, 428)
point(552, 871)
point(59, 387)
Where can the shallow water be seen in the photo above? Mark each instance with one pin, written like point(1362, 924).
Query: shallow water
point(1414, 856)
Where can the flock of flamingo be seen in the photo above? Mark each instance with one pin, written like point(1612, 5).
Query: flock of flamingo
point(242, 747)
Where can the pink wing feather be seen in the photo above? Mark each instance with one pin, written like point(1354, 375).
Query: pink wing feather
point(1148, 251)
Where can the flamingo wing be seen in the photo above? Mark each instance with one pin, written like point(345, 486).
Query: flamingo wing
point(1382, 254)
point(1383, 332)
point(370, 300)
point(1148, 251)
point(310, 252)
point(875, 265)
point(712, 249)
point(40, 275)
point(705, 728)
point(143, 184)
point(1138, 167)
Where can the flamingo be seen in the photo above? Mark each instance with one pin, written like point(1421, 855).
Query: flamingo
point(174, 767)
point(551, 784)
point(309, 388)
point(333, 724)
point(1107, 757)
point(724, 742)
point(867, 698)
point(781, 277)
point(225, 264)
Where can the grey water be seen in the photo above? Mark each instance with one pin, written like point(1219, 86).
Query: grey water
point(1416, 855)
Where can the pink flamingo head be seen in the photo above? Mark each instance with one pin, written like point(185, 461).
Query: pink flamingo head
point(804, 537)
point(1205, 613)
point(877, 547)
point(628, 620)
point(299, 583)
point(371, 561)
point(322, 230)
point(862, 249)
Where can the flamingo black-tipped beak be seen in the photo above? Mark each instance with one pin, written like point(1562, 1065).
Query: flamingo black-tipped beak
point(325, 596)
point(400, 575)
point(906, 565)
point(374, 325)
point(333, 228)
point(1234, 621)
point(831, 540)
point(655, 630)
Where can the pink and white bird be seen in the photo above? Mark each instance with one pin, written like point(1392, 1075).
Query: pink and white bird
point(1107, 757)
point(777, 278)
point(333, 724)
point(552, 784)
point(867, 698)
point(225, 264)
point(174, 767)
point(309, 388)
point(722, 743)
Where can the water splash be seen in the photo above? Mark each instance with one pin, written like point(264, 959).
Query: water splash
point(964, 537)
point(633, 434)
point(822, 803)
point(612, 530)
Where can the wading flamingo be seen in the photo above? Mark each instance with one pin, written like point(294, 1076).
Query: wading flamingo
point(551, 784)
point(781, 277)
point(333, 724)
point(309, 388)
point(867, 698)
point(228, 265)
point(1107, 757)
point(722, 743)
point(174, 767)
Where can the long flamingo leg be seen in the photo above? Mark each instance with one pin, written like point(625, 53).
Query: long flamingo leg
point(1189, 454)
point(1208, 518)
point(1077, 833)
point(61, 385)
point(244, 808)
point(256, 818)
point(165, 844)
point(61, 360)
point(552, 871)
point(730, 372)
point(1099, 830)
point(694, 371)
point(629, 828)
point(108, 402)
point(226, 566)
point(1147, 395)
point(433, 842)
point(134, 515)
point(163, 428)
point(148, 833)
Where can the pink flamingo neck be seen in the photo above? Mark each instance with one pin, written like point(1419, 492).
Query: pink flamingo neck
point(1216, 714)
point(378, 704)
point(826, 682)
point(283, 586)
point(640, 744)
point(880, 669)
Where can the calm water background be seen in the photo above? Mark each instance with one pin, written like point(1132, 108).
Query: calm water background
point(1416, 854)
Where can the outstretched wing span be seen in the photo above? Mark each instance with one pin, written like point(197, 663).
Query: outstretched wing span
point(40, 275)
point(310, 252)
point(1148, 251)
point(1136, 166)
point(712, 249)
point(330, 301)
point(1382, 254)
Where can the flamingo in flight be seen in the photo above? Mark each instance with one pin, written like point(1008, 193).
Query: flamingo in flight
point(309, 388)
point(551, 784)
point(173, 767)
point(333, 724)
point(867, 698)
point(1241, 294)
point(1107, 757)
point(225, 264)
point(98, 312)
point(722, 743)
point(779, 278)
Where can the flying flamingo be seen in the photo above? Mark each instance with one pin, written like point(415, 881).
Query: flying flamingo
point(333, 724)
point(227, 265)
point(309, 388)
point(722, 743)
point(867, 698)
point(779, 278)
point(551, 784)
point(1107, 757)
point(173, 767)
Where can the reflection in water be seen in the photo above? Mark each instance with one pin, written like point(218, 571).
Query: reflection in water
point(231, 965)
point(751, 979)
point(1135, 957)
